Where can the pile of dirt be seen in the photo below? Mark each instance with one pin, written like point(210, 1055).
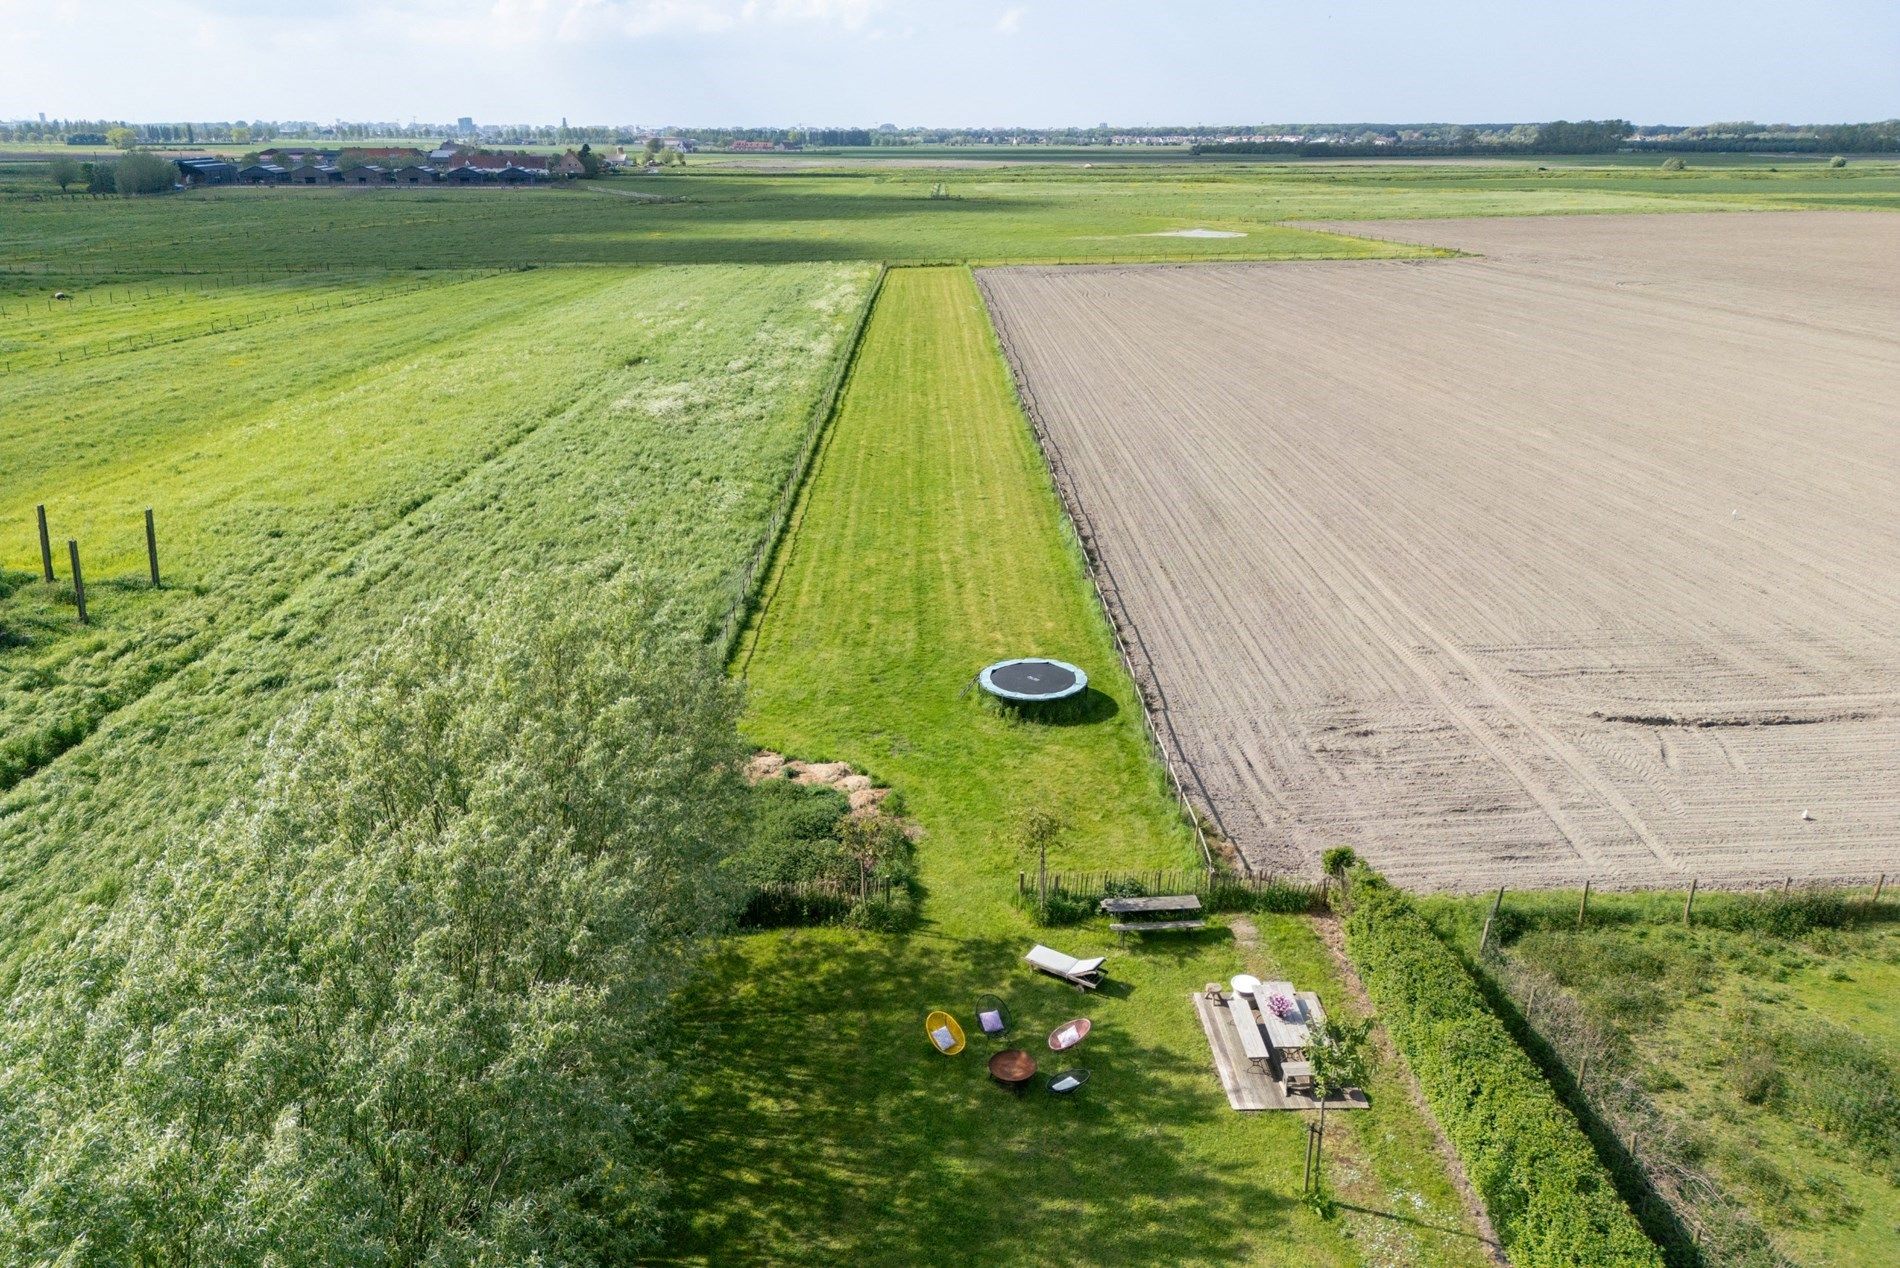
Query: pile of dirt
point(866, 797)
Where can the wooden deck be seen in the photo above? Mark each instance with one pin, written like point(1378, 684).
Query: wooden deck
point(1248, 1088)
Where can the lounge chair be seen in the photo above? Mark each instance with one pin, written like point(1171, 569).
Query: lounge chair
point(1084, 975)
point(992, 1018)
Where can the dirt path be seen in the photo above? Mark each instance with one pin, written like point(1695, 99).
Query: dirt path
point(1573, 558)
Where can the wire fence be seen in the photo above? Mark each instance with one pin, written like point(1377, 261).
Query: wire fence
point(1717, 1225)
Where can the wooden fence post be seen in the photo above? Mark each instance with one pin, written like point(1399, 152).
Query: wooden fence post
point(46, 548)
point(1583, 904)
point(1688, 905)
point(79, 580)
point(151, 546)
point(1485, 936)
point(1880, 885)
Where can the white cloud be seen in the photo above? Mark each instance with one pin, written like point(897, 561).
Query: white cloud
point(1011, 22)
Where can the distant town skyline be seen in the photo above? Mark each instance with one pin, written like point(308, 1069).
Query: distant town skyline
point(981, 63)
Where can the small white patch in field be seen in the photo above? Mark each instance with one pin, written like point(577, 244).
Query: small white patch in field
point(1195, 233)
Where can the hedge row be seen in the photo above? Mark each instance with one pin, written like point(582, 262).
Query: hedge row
point(1549, 1197)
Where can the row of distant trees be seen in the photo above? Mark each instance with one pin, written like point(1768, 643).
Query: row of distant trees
point(1584, 136)
point(1833, 138)
point(135, 172)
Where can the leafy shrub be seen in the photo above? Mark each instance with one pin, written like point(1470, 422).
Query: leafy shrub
point(808, 858)
point(1275, 897)
point(1755, 1069)
point(1123, 887)
point(1786, 915)
point(140, 172)
point(1336, 860)
point(1508, 926)
point(794, 835)
point(1837, 161)
point(1844, 1085)
point(1549, 1197)
point(1673, 165)
point(1067, 909)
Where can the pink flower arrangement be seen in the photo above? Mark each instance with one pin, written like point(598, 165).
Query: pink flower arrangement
point(1281, 1005)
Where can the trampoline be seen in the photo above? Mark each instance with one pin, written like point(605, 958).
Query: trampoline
point(1032, 680)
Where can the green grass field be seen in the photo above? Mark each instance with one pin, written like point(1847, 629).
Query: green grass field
point(827, 1128)
point(1044, 213)
point(320, 476)
point(1770, 1058)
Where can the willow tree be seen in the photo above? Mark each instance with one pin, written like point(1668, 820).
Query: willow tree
point(409, 1001)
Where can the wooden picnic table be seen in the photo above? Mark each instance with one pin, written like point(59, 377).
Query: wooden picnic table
point(1150, 905)
point(1290, 1033)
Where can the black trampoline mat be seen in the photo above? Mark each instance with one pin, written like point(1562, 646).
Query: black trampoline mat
point(1033, 678)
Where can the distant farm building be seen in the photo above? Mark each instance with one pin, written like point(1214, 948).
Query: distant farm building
point(447, 164)
point(207, 171)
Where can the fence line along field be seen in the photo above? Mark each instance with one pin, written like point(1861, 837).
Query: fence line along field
point(321, 476)
point(1577, 560)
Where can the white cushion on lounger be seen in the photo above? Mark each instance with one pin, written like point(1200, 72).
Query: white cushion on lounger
point(1051, 959)
point(1064, 1083)
point(944, 1038)
point(992, 1021)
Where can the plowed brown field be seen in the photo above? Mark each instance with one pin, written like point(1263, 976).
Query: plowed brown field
point(1580, 559)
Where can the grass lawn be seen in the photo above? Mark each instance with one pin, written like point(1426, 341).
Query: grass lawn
point(824, 1126)
point(1772, 1057)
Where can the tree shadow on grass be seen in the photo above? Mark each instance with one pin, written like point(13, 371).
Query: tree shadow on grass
point(825, 1126)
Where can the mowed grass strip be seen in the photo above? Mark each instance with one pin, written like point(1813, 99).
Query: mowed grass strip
point(825, 1127)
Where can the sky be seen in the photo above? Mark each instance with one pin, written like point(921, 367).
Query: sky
point(969, 64)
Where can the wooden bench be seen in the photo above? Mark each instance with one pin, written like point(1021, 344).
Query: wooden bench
point(1157, 926)
point(1252, 1042)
